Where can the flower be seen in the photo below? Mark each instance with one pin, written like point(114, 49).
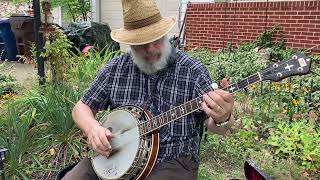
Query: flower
point(253, 87)
point(8, 96)
point(295, 102)
point(52, 152)
point(286, 85)
point(275, 84)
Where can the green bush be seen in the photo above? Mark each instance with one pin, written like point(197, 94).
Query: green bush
point(232, 65)
point(299, 140)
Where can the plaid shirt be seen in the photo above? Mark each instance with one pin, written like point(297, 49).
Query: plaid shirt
point(122, 83)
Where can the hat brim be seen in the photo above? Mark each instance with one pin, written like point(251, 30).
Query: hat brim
point(146, 34)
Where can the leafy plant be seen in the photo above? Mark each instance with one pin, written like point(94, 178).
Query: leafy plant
point(266, 105)
point(56, 105)
point(264, 40)
point(299, 140)
point(18, 140)
point(57, 54)
point(86, 68)
point(46, 129)
point(233, 65)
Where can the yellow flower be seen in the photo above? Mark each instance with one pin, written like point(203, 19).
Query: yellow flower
point(286, 85)
point(52, 152)
point(8, 96)
point(253, 87)
point(86, 54)
point(295, 102)
point(275, 84)
point(278, 89)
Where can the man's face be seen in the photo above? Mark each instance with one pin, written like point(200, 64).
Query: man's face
point(152, 57)
point(150, 52)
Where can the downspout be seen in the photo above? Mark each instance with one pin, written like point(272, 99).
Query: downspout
point(99, 11)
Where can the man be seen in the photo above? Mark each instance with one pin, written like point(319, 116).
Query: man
point(157, 76)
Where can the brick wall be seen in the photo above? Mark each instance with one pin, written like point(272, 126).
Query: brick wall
point(213, 25)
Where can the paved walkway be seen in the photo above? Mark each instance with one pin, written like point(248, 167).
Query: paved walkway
point(26, 74)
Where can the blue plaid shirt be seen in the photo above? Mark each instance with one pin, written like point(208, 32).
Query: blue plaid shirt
point(122, 83)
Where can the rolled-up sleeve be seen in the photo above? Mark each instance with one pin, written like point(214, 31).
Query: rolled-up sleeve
point(96, 96)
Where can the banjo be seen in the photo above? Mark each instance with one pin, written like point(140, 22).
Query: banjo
point(136, 138)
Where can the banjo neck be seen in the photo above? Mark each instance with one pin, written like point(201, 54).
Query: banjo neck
point(190, 107)
point(298, 64)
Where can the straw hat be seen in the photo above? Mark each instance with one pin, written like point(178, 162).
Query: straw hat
point(143, 23)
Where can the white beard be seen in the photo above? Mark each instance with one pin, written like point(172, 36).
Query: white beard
point(153, 67)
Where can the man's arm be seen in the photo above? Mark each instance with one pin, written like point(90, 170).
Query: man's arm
point(84, 117)
point(97, 135)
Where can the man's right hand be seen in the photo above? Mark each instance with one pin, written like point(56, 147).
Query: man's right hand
point(98, 139)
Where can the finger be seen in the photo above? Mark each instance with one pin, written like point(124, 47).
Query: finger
point(217, 101)
point(99, 143)
point(224, 82)
point(225, 96)
point(212, 104)
point(96, 149)
point(106, 140)
point(109, 134)
point(208, 110)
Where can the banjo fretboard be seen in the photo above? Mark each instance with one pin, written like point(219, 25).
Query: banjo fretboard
point(190, 107)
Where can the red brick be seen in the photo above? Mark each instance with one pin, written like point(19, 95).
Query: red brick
point(305, 41)
point(315, 13)
point(291, 13)
point(316, 42)
point(317, 21)
point(304, 13)
point(299, 37)
point(303, 21)
point(292, 21)
point(310, 17)
point(309, 25)
point(313, 30)
point(313, 38)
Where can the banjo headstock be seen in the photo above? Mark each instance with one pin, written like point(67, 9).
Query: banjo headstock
point(297, 64)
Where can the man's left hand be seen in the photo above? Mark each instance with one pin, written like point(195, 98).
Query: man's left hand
point(218, 104)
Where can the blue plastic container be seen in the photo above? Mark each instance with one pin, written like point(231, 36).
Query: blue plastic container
point(8, 47)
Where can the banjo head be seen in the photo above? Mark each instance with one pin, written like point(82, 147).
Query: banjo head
point(125, 145)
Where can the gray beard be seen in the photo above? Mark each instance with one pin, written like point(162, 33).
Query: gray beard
point(151, 68)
